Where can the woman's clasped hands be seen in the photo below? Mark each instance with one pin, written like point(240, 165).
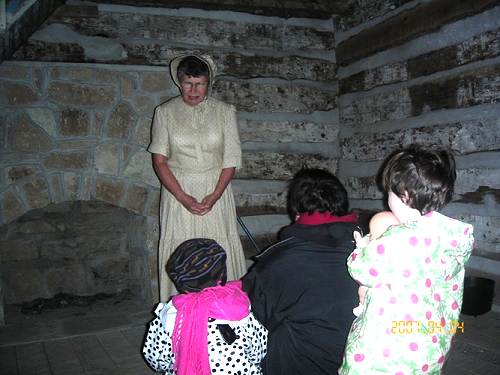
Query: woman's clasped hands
point(199, 208)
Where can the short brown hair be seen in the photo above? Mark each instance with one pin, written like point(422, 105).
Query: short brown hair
point(427, 176)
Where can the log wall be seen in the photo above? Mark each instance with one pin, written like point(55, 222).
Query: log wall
point(425, 72)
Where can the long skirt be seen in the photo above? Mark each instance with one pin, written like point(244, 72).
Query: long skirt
point(177, 225)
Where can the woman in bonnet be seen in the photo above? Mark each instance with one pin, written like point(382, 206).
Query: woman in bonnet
point(196, 149)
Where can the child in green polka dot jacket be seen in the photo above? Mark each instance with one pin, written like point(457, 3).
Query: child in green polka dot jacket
point(414, 272)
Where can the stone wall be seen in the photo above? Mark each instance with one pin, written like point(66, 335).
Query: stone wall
point(426, 72)
point(80, 248)
point(76, 105)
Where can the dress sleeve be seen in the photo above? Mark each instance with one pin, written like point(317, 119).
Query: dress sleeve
point(157, 348)
point(257, 334)
point(374, 264)
point(232, 146)
point(159, 134)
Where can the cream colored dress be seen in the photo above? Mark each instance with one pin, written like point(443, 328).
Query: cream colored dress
point(199, 142)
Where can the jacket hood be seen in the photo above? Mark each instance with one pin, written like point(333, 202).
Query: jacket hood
point(212, 68)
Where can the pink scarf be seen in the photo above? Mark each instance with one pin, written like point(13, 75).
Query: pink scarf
point(189, 340)
point(318, 218)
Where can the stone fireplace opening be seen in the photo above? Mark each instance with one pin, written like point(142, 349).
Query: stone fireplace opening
point(76, 249)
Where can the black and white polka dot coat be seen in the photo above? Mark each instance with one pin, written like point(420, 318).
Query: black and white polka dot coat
point(241, 357)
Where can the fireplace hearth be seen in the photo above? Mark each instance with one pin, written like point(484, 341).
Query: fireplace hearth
point(73, 251)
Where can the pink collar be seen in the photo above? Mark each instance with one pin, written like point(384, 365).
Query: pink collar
point(318, 218)
point(189, 339)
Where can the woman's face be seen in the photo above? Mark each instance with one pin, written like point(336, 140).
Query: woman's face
point(194, 89)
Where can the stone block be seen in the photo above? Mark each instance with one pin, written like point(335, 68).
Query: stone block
point(81, 247)
point(44, 118)
point(23, 282)
point(136, 198)
point(256, 97)
point(153, 268)
point(107, 158)
point(144, 104)
point(140, 167)
point(276, 166)
point(142, 134)
point(152, 82)
point(106, 75)
point(74, 123)
point(154, 206)
point(152, 235)
point(287, 131)
point(122, 119)
point(88, 186)
point(37, 193)
point(72, 73)
point(18, 94)
point(76, 144)
point(109, 190)
point(15, 72)
point(26, 137)
point(80, 94)
point(17, 250)
point(71, 183)
point(39, 78)
point(70, 279)
point(33, 226)
point(19, 172)
point(67, 160)
point(128, 85)
point(109, 275)
point(56, 189)
point(99, 122)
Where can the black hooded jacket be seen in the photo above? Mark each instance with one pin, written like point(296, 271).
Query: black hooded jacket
point(301, 292)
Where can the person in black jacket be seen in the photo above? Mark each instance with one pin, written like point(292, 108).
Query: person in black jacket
point(299, 288)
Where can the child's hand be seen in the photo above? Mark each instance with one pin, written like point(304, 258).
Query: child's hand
point(359, 239)
point(362, 294)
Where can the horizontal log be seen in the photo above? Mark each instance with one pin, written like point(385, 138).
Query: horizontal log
point(467, 89)
point(156, 54)
point(287, 131)
point(274, 97)
point(276, 166)
point(216, 33)
point(461, 137)
point(420, 20)
point(473, 185)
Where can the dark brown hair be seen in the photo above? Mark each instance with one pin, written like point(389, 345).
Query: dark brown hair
point(191, 66)
point(427, 176)
point(316, 190)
